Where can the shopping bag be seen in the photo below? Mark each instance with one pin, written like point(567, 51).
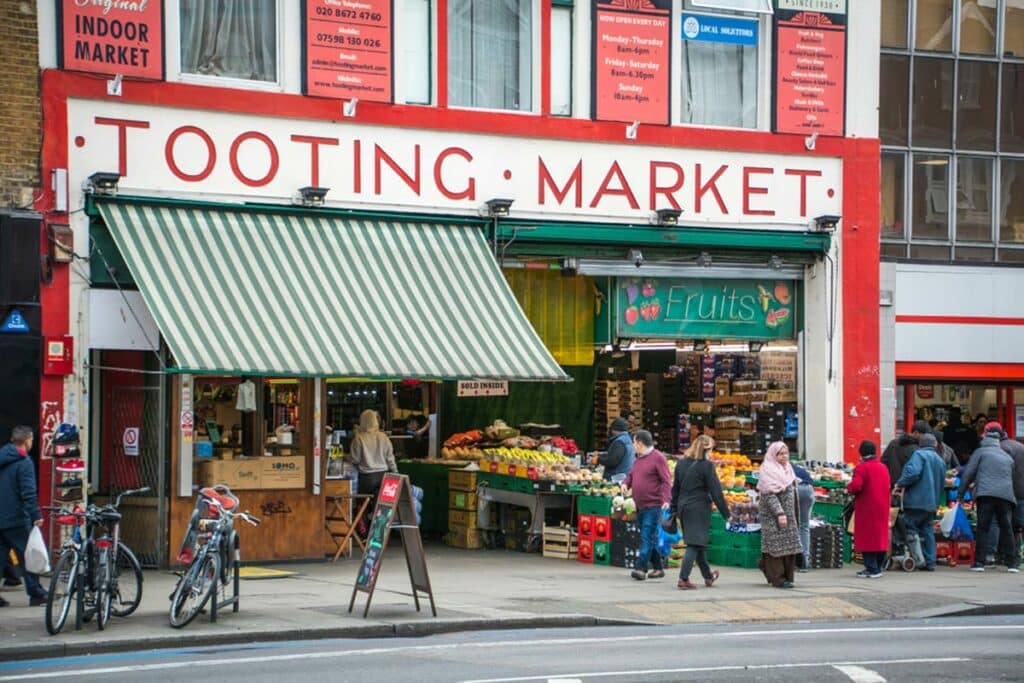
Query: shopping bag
point(667, 539)
point(948, 520)
point(961, 526)
point(37, 557)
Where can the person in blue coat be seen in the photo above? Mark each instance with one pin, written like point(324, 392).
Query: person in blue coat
point(19, 506)
point(923, 483)
point(619, 457)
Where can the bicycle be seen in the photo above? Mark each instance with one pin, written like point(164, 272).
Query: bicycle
point(212, 554)
point(89, 571)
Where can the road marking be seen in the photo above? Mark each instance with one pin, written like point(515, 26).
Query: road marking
point(555, 642)
point(720, 669)
point(859, 674)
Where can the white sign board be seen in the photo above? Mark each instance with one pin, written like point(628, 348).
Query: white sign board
point(220, 155)
point(474, 388)
point(130, 441)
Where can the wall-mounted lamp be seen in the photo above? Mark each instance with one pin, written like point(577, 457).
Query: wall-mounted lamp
point(704, 260)
point(313, 196)
point(755, 346)
point(666, 217)
point(700, 346)
point(570, 266)
point(498, 208)
point(827, 223)
point(103, 183)
point(636, 256)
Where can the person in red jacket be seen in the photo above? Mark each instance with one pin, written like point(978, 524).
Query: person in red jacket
point(871, 488)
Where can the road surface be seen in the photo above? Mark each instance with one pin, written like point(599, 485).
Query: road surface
point(968, 649)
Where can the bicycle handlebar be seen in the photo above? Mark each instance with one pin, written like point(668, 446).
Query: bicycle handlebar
point(130, 492)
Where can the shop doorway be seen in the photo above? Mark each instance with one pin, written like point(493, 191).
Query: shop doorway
point(960, 411)
point(133, 452)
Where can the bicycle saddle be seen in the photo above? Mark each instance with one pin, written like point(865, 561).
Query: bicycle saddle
point(226, 502)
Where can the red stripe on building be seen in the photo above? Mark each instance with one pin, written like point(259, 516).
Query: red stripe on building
point(957, 320)
point(959, 372)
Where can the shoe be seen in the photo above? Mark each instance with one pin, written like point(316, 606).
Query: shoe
point(638, 575)
point(714, 577)
point(786, 584)
point(70, 483)
point(1013, 570)
point(686, 585)
point(72, 495)
point(12, 583)
point(66, 435)
point(876, 575)
point(803, 570)
point(37, 601)
point(863, 574)
point(656, 574)
point(977, 567)
point(4, 603)
point(990, 561)
point(68, 452)
point(75, 465)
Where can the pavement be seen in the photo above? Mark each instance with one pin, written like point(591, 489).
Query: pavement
point(489, 590)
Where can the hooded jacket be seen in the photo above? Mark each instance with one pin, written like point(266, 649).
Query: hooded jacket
point(924, 480)
point(991, 470)
point(1015, 449)
point(19, 505)
point(897, 455)
point(372, 450)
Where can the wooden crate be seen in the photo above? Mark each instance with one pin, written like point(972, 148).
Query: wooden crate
point(560, 543)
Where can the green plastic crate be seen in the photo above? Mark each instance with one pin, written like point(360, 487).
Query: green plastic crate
point(745, 558)
point(830, 512)
point(728, 539)
point(603, 553)
point(594, 505)
point(717, 521)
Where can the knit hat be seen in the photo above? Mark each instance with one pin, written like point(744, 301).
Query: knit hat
point(867, 448)
point(994, 428)
point(929, 441)
point(921, 427)
point(619, 424)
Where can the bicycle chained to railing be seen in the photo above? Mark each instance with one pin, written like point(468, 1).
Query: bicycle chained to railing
point(212, 555)
point(95, 570)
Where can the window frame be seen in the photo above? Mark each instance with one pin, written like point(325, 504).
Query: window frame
point(400, 77)
point(288, 67)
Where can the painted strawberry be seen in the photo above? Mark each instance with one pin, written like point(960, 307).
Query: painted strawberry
point(632, 315)
point(655, 309)
point(648, 289)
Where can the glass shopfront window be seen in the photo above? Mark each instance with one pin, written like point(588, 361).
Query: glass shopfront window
point(1011, 213)
point(933, 103)
point(974, 199)
point(930, 197)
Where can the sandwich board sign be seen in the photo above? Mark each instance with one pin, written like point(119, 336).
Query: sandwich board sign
point(394, 510)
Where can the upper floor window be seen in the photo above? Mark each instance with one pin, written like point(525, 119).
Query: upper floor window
point(490, 54)
point(229, 38)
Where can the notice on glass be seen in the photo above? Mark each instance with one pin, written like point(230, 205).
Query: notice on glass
point(349, 49)
point(111, 38)
point(632, 58)
point(810, 73)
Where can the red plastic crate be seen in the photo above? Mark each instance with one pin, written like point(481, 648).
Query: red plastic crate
point(602, 528)
point(585, 551)
point(585, 526)
point(963, 551)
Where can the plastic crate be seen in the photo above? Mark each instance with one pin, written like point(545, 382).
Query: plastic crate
point(728, 539)
point(832, 513)
point(717, 521)
point(585, 552)
point(600, 506)
point(745, 558)
point(602, 553)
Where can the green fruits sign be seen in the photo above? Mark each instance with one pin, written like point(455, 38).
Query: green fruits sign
point(705, 309)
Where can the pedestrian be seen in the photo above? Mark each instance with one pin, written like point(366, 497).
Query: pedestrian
point(372, 453)
point(619, 458)
point(780, 524)
point(651, 485)
point(805, 501)
point(19, 506)
point(991, 470)
point(899, 450)
point(1015, 449)
point(961, 437)
point(945, 451)
point(870, 490)
point(695, 483)
point(922, 486)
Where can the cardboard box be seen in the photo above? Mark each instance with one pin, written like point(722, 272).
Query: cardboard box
point(462, 518)
point(462, 500)
point(463, 537)
point(732, 401)
point(723, 386)
point(700, 407)
point(236, 474)
point(781, 396)
point(283, 472)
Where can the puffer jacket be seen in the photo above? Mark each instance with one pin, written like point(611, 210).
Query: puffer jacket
point(991, 471)
point(19, 505)
point(897, 455)
point(924, 480)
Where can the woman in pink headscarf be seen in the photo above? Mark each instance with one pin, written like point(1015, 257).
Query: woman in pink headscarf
point(780, 528)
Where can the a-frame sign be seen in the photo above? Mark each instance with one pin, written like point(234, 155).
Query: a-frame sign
point(394, 510)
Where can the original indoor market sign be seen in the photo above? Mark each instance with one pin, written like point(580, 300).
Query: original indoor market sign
point(810, 66)
point(705, 309)
point(106, 37)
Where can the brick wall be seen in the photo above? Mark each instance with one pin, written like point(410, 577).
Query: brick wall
point(19, 103)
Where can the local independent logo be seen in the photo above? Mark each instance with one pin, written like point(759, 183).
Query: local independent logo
point(284, 466)
point(691, 27)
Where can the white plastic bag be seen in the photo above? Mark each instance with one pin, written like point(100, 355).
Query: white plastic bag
point(948, 520)
point(37, 557)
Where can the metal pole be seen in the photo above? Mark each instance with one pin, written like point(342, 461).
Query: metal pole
point(164, 460)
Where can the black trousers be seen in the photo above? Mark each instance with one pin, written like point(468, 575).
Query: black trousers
point(1000, 512)
point(698, 554)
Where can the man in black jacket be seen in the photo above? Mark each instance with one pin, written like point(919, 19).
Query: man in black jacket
point(899, 450)
point(19, 507)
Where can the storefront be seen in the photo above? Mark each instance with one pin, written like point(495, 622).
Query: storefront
point(266, 261)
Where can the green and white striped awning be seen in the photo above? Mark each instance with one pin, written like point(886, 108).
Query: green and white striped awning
point(308, 294)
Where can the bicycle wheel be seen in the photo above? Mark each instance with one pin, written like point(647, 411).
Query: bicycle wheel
point(126, 586)
point(60, 596)
point(194, 590)
point(104, 573)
